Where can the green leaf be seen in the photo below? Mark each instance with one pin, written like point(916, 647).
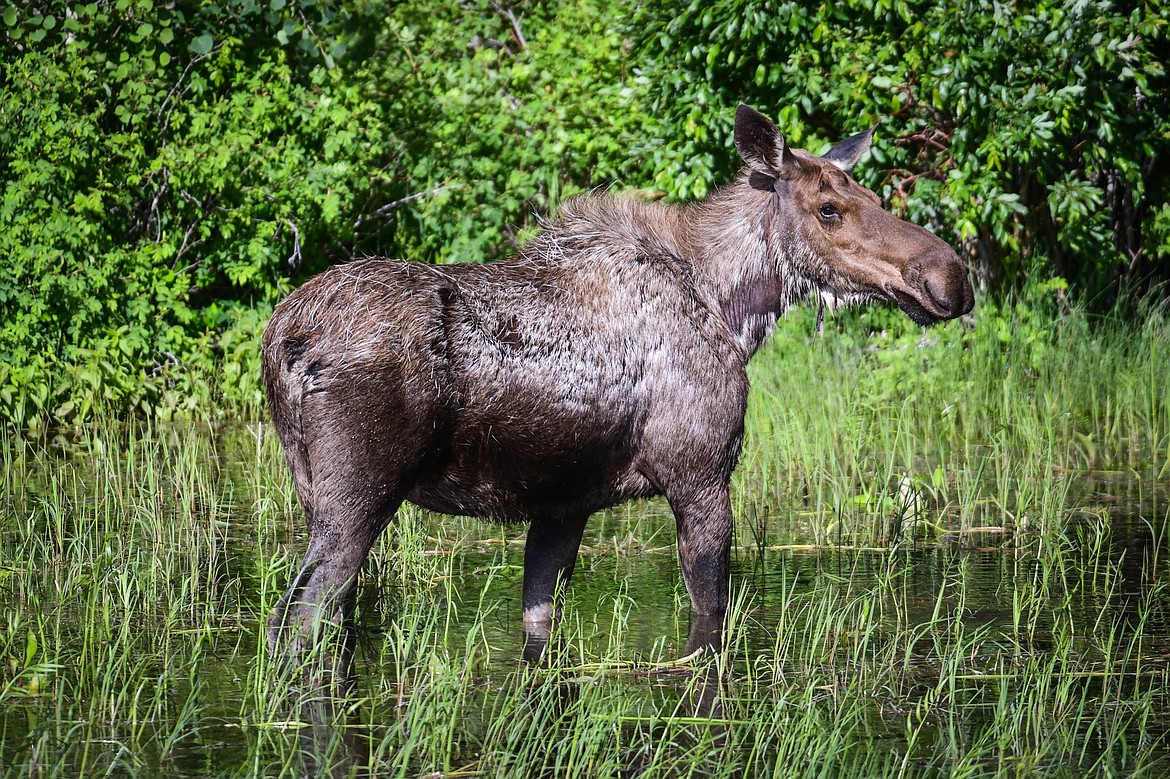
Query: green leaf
point(10, 15)
point(202, 45)
point(938, 478)
point(30, 649)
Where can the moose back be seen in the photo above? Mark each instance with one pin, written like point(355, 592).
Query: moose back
point(604, 362)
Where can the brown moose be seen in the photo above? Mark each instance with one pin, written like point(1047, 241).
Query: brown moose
point(604, 362)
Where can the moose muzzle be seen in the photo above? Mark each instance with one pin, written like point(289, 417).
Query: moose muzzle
point(936, 288)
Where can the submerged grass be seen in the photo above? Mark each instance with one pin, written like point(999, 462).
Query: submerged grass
point(948, 564)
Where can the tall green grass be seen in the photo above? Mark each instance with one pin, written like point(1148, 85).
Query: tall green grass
point(949, 562)
point(988, 421)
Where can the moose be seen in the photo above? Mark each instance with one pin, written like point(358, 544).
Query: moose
point(604, 361)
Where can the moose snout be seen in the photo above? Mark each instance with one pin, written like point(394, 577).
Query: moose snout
point(942, 285)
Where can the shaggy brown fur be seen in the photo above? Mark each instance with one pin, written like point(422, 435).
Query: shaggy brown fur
point(606, 361)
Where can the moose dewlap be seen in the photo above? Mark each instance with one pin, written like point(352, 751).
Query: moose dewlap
point(604, 362)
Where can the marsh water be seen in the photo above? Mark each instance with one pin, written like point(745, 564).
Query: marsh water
point(139, 565)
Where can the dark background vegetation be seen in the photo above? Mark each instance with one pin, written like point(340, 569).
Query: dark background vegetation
point(170, 169)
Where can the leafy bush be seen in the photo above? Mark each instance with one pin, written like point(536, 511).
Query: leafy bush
point(503, 112)
point(155, 162)
point(170, 170)
point(167, 171)
point(1031, 133)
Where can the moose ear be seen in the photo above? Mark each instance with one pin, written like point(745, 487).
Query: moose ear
point(759, 142)
point(846, 153)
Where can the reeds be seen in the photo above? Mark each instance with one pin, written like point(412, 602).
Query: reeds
point(948, 569)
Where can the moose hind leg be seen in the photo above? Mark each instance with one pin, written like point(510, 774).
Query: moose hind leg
point(550, 553)
point(362, 457)
point(312, 621)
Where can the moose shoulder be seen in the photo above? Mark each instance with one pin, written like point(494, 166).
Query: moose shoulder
point(606, 361)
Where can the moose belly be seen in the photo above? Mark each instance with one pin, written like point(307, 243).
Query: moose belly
point(526, 481)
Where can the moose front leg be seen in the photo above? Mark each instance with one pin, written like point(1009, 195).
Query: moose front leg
point(550, 552)
point(704, 524)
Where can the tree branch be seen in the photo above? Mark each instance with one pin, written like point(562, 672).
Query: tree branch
point(510, 16)
point(403, 201)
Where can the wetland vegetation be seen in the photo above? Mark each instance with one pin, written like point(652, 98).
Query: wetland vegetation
point(949, 562)
point(950, 545)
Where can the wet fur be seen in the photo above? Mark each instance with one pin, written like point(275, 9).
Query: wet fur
point(606, 361)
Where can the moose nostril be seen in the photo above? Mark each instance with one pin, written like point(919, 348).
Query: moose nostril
point(937, 290)
point(939, 284)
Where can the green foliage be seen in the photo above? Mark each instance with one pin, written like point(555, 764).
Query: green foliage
point(1031, 133)
point(503, 111)
point(157, 161)
point(170, 170)
point(167, 170)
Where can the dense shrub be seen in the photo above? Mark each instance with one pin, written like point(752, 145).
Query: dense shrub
point(1036, 134)
point(170, 170)
point(162, 172)
point(167, 172)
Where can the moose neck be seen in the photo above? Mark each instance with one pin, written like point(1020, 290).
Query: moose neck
point(744, 260)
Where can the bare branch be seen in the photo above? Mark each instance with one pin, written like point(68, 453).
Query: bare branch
point(510, 16)
point(294, 259)
point(172, 100)
point(187, 245)
point(154, 213)
point(403, 201)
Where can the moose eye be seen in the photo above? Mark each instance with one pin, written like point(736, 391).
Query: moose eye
point(829, 211)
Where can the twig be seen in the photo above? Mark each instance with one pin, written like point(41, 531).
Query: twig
point(294, 259)
point(403, 201)
point(510, 15)
point(185, 246)
point(166, 121)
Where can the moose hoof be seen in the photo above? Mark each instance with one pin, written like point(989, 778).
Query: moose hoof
point(309, 650)
point(706, 634)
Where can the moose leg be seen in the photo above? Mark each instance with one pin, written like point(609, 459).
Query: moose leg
point(704, 547)
point(316, 609)
point(550, 552)
point(353, 475)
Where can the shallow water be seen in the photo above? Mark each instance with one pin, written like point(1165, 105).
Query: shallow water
point(143, 568)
